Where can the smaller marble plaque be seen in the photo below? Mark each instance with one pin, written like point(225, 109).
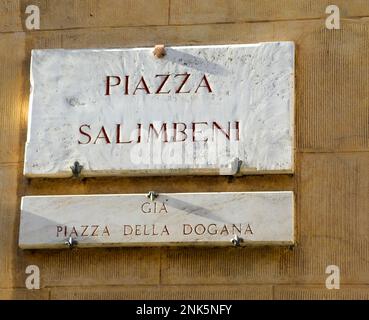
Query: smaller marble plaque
point(168, 219)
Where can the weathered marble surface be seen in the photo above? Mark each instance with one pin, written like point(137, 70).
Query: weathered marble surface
point(250, 84)
point(262, 218)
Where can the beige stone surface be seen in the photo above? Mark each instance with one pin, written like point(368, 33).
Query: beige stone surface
point(9, 203)
point(332, 99)
point(24, 294)
point(333, 217)
point(161, 292)
point(70, 14)
point(134, 266)
point(321, 293)
point(216, 11)
point(331, 179)
point(10, 16)
point(13, 96)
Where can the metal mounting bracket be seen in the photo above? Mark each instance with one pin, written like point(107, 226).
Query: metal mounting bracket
point(76, 169)
point(152, 195)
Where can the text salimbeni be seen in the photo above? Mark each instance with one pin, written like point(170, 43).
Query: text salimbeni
point(176, 131)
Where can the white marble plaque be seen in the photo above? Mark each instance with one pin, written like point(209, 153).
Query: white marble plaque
point(223, 109)
point(170, 219)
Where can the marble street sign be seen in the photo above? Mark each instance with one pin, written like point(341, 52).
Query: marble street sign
point(221, 109)
point(213, 219)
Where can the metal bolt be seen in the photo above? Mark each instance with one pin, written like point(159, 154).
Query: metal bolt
point(70, 242)
point(159, 51)
point(76, 169)
point(232, 169)
point(152, 195)
point(236, 240)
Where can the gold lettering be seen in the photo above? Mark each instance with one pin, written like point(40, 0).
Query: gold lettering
point(248, 229)
point(224, 229)
point(106, 230)
point(234, 227)
point(215, 231)
point(145, 234)
point(163, 207)
point(74, 231)
point(202, 229)
point(84, 230)
point(153, 230)
point(94, 232)
point(165, 230)
point(138, 230)
point(185, 232)
point(127, 230)
point(148, 210)
point(58, 230)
